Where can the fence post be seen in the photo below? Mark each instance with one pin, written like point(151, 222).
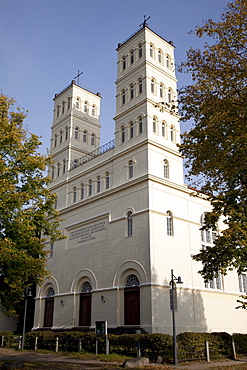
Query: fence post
point(234, 354)
point(207, 351)
point(96, 346)
point(79, 346)
point(35, 343)
point(2, 340)
point(19, 342)
point(56, 347)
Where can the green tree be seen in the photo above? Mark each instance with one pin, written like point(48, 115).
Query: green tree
point(216, 146)
point(25, 204)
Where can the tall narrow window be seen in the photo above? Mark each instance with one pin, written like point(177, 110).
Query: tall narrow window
point(169, 95)
point(66, 133)
point(152, 85)
point(64, 166)
point(161, 90)
point(90, 188)
point(163, 129)
point(140, 85)
point(61, 137)
point(77, 104)
point(124, 62)
point(131, 170)
point(85, 107)
point(107, 180)
point(169, 223)
point(172, 132)
point(123, 96)
point(55, 140)
point(131, 130)
point(93, 139)
point(58, 169)
point(167, 61)
point(242, 281)
point(52, 172)
point(77, 133)
point(132, 57)
point(140, 50)
point(130, 224)
point(93, 110)
point(74, 194)
point(84, 136)
point(151, 50)
point(140, 125)
point(98, 184)
point(68, 104)
point(166, 169)
point(82, 191)
point(154, 124)
point(159, 56)
point(131, 91)
point(123, 134)
point(58, 108)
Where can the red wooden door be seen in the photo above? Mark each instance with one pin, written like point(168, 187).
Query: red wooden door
point(85, 309)
point(132, 306)
point(49, 309)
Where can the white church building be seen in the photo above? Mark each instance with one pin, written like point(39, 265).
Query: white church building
point(128, 217)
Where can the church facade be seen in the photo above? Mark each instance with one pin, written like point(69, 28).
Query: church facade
point(128, 217)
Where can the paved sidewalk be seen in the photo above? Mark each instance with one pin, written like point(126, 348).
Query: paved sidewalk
point(7, 354)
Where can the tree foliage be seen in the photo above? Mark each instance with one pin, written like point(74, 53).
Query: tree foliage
point(25, 204)
point(216, 146)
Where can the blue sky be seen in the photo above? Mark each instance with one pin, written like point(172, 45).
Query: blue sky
point(45, 42)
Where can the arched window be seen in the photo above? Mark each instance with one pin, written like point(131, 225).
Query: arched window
point(63, 107)
point(84, 136)
point(107, 180)
point(66, 133)
point(140, 125)
point(85, 305)
point(140, 85)
point(151, 50)
point(132, 301)
point(166, 169)
point(55, 140)
point(154, 124)
point(58, 169)
point(152, 85)
point(49, 308)
point(124, 62)
point(161, 90)
point(140, 50)
point(131, 130)
point(131, 91)
point(74, 194)
point(77, 133)
point(98, 184)
point(169, 223)
point(167, 61)
point(159, 56)
point(172, 132)
point(129, 224)
point(132, 57)
point(77, 104)
point(58, 108)
point(61, 137)
point(93, 139)
point(82, 191)
point(123, 96)
point(90, 188)
point(68, 104)
point(131, 169)
point(64, 166)
point(52, 172)
point(85, 107)
point(163, 129)
point(169, 95)
point(94, 110)
point(123, 134)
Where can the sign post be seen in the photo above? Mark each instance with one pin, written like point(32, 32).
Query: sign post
point(101, 329)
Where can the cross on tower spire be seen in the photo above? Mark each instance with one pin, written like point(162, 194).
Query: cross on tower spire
point(78, 75)
point(144, 23)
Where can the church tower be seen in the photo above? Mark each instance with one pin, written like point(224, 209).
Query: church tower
point(146, 93)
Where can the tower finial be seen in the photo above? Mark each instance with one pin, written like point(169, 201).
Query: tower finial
point(78, 75)
point(144, 23)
